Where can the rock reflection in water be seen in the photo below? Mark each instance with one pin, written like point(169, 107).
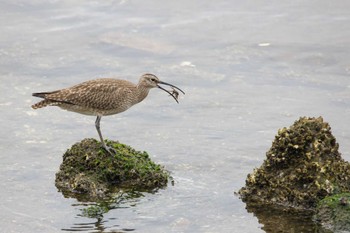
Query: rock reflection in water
point(284, 220)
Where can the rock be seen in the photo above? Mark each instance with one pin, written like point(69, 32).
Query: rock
point(87, 169)
point(302, 167)
point(333, 212)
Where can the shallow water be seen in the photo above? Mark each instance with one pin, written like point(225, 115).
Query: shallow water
point(248, 69)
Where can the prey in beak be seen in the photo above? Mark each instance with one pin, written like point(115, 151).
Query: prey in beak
point(174, 93)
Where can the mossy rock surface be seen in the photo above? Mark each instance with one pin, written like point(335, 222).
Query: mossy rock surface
point(88, 169)
point(333, 212)
point(302, 167)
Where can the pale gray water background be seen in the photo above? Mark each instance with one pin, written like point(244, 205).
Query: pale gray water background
point(248, 68)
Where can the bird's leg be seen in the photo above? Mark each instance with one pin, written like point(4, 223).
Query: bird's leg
point(107, 148)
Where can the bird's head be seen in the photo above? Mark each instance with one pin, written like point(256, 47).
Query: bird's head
point(151, 81)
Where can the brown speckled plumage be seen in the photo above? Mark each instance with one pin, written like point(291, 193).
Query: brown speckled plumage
point(101, 97)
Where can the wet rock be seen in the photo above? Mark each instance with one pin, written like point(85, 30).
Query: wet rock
point(333, 212)
point(87, 169)
point(302, 167)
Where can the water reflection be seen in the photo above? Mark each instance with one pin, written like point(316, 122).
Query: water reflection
point(97, 210)
point(96, 227)
point(285, 220)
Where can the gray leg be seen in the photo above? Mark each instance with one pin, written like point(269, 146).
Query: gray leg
point(107, 148)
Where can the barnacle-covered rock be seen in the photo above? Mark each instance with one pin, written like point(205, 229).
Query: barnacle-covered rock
point(87, 169)
point(301, 168)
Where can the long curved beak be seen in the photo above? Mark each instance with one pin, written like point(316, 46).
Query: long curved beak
point(174, 93)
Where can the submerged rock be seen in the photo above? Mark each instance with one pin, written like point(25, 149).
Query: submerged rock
point(302, 167)
point(88, 169)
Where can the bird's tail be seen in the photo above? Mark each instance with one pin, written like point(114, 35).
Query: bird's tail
point(43, 94)
point(42, 104)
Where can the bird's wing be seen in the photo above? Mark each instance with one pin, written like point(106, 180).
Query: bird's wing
point(98, 94)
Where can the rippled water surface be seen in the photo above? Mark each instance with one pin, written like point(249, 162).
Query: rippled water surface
point(248, 68)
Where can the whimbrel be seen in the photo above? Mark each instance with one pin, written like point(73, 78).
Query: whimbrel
point(103, 97)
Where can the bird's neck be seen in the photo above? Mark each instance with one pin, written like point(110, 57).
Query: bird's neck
point(142, 93)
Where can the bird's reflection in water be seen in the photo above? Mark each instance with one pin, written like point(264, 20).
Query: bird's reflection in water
point(98, 227)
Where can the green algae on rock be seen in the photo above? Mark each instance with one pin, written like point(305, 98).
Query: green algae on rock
point(302, 167)
point(88, 169)
point(333, 212)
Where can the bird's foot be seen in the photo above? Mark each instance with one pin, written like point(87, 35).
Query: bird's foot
point(110, 150)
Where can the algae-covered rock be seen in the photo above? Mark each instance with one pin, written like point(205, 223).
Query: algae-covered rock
point(302, 167)
point(88, 169)
point(333, 212)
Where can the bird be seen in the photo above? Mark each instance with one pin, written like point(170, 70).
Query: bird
point(103, 97)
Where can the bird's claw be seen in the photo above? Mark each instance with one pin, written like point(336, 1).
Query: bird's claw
point(110, 150)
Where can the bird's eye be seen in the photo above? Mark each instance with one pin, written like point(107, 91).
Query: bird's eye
point(153, 79)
